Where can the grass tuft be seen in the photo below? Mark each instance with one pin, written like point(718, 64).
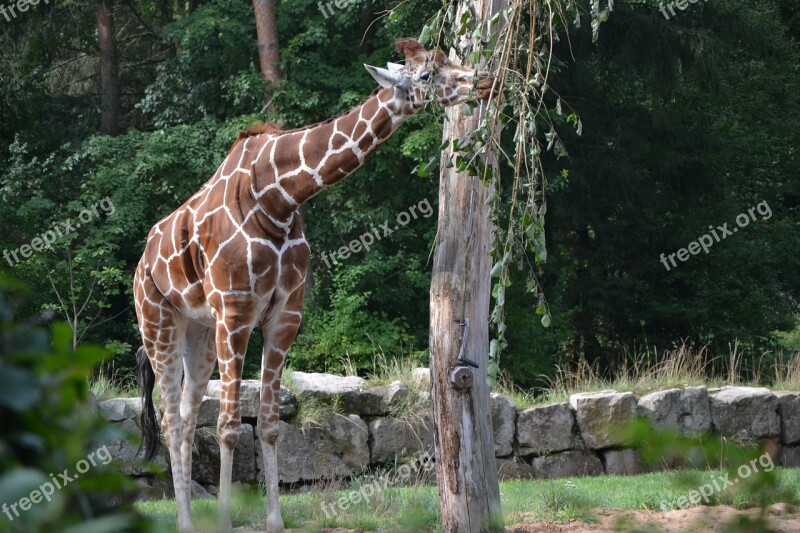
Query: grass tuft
point(107, 386)
point(648, 371)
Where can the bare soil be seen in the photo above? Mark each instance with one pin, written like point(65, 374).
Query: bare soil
point(779, 518)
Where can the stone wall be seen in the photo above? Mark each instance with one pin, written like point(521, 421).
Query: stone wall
point(372, 426)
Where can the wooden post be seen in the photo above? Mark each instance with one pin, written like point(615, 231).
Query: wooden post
point(469, 492)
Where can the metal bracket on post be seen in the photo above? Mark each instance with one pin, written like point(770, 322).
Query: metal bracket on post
point(464, 338)
point(461, 377)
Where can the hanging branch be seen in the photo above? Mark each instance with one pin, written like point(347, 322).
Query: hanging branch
point(520, 55)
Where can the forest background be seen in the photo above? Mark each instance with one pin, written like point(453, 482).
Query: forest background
point(687, 122)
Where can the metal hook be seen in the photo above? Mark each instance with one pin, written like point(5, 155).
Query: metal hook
point(464, 337)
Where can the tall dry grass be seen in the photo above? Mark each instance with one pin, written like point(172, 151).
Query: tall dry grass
point(681, 366)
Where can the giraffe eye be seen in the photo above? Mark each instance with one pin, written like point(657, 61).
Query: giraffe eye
point(425, 76)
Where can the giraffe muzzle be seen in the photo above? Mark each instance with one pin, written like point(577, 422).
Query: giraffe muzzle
point(486, 87)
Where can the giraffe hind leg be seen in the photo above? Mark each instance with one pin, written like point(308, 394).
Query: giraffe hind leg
point(169, 378)
point(199, 357)
point(163, 342)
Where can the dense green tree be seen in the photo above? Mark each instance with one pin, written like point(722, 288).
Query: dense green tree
point(683, 133)
point(687, 123)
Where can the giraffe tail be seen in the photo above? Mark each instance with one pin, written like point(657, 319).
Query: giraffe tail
point(147, 380)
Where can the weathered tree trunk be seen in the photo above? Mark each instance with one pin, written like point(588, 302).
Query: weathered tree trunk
point(460, 291)
point(109, 74)
point(268, 49)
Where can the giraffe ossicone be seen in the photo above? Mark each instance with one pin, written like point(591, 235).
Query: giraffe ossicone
point(234, 257)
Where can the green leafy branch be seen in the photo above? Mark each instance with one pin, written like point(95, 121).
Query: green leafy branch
point(516, 45)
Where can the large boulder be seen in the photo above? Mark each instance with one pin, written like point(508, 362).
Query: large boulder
point(208, 413)
point(772, 447)
point(789, 410)
point(250, 398)
point(249, 395)
point(125, 450)
point(790, 456)
point(504, 415)
point(327, 387)
point(603, 416)
point(687, 410)
point(567, 464)
point(351, 393)
point(376, 401)
point(545, 429)
point(336, 447)
point(152, 488)
point(622, 463)
point(206, 456)
point(199, 492)
point(747, 413)
point(513, 468)
point(119, 409)
point(289, 406)
point(391, 438)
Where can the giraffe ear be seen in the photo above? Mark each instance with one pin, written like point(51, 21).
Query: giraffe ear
point(395, 68)
point(385, 78)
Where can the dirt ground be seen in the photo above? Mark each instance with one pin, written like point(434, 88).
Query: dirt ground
point(780, 518)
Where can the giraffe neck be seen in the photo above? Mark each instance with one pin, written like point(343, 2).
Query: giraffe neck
point(296, 165)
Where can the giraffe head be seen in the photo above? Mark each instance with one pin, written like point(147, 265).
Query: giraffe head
point(428, 75)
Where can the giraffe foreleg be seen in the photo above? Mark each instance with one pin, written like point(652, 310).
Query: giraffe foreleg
point(232, 337)
point(279, 334)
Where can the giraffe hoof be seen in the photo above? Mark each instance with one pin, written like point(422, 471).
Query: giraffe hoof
point(276, 527)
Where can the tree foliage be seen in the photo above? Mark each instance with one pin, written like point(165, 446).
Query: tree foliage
point(49, 481)
point(686, 123)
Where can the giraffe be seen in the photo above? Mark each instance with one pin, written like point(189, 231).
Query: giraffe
point(234, 257)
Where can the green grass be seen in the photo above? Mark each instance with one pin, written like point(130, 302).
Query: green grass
point(107, 386)
point(417, 509)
